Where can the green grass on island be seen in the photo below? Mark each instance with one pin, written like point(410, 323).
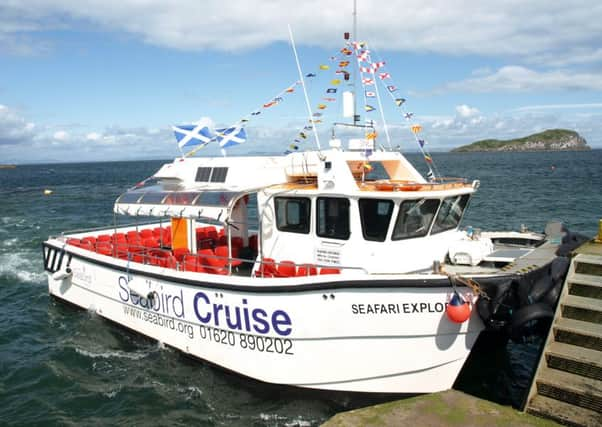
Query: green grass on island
point(548, 140)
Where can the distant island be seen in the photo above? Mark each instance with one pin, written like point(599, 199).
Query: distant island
point(549, 140)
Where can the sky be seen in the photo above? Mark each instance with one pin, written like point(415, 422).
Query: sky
point(95, 80)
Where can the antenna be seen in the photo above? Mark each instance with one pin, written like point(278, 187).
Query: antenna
point(313, 125)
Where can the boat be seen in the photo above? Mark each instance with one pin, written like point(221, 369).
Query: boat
point(339, 268)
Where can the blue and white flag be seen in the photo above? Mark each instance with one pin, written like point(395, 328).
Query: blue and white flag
point(191, 135)
point(231, 136)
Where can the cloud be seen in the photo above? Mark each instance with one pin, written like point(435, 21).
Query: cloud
point(466, 111)
point(14, 129)
point(537, 29)
point(514, 78)
point(61, 135)
point(589, 106)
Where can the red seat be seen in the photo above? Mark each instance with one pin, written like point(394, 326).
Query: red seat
point(103, 238)
point(118, 237)
point(74, 242)
point(161, 258)
point(104, 248)
point(222, 240)
point(222, 252)
point(145, 234)
point(211, 263)
point(179, 253)
point(267, 268)
point(329, 270)
point(151, 242)
point(192, 263)
point(121, 250)
point(307, 270)
point(89, 239)
point(287, 269)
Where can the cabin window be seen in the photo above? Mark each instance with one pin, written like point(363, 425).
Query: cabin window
point(414, 218)
point(375, 215)
point(203, 174)
point(292, 214)
point(450, 213)
point(218, 174)
point(332, 218)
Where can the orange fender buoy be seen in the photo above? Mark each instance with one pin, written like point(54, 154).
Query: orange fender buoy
point(458, 309)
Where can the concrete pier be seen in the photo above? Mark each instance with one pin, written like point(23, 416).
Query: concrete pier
point(447, 408)
point(567, 386)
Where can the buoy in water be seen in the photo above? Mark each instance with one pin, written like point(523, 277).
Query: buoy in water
point(47, 192)
point(458, 309)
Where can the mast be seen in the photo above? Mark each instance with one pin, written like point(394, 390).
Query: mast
point(356, 117)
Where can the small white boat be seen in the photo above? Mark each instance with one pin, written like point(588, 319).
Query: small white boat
point(335, 269)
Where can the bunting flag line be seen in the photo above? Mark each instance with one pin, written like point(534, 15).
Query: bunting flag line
point(311, 75)
point(343, 64)
point(367, 81)
point(369, 108)
point(331, 90)
point(370, 94)
point(416, 128)
point(335, 82)
point(408, 116)
point(376, 65)
point(363, 55)
point(384, 76)
point(399, 101)
point(391, 88)
point(324, 67)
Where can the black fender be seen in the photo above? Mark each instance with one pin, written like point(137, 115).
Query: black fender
point(529, 319)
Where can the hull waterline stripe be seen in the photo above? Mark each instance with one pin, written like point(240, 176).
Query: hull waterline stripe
point(378, 376)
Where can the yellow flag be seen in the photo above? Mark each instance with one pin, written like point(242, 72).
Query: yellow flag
point(416, 128)
point(324, 67)
point(335, 82)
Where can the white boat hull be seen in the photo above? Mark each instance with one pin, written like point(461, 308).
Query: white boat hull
point(391, 339)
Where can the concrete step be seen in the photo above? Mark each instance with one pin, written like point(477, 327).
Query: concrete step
point(588, 264)
point(569, 388)
point(582, 308)
point(563, 413)
point(574, 359)
point(578, 333)
point(585, 285)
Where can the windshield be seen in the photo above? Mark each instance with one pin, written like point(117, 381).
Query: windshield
point(450, 213)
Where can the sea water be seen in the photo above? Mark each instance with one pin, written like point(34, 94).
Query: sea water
point(59, 365)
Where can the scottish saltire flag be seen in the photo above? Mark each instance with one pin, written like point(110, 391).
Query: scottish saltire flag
point(191, 135)
point(230, 136)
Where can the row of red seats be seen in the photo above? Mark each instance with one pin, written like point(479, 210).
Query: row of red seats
point(206, 260)
point(212, 261)
point(271, 268)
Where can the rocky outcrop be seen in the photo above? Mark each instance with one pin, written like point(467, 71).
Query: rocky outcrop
point(549, 140)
